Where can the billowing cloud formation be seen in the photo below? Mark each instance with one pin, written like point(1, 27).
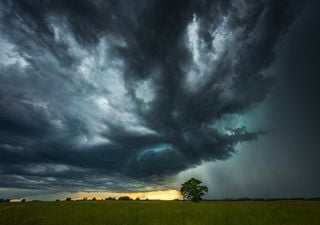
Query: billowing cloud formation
point(94, 91)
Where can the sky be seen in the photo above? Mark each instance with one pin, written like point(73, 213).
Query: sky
point(136, 97)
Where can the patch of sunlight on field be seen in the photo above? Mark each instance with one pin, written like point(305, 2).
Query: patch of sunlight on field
point(160, 213)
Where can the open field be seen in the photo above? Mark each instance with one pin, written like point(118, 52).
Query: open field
point(161, 212)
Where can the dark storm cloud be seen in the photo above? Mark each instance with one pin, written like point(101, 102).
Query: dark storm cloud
point(131, 90)
point(285, 162)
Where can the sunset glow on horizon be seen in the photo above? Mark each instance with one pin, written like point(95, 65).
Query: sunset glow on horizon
point(151, 195)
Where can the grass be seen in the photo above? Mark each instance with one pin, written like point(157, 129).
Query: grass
point(161, 213)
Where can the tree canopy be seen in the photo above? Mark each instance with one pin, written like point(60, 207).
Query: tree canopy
point(193, 190)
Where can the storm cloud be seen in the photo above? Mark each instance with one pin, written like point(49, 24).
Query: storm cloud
point(116, 94)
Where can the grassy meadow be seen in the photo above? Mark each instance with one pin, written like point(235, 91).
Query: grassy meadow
point(291, 212)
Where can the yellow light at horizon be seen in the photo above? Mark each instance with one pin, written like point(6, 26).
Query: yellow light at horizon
point(170, 194)
point(152, 195)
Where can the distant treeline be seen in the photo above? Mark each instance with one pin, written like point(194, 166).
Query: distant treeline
point(122, 198)
point(127, 198)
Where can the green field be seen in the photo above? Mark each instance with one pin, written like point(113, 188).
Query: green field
point(161, 212)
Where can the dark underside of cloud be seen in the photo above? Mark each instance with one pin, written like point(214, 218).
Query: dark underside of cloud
point(98, 91)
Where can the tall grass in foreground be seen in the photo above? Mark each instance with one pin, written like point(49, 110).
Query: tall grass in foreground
point(160, 213)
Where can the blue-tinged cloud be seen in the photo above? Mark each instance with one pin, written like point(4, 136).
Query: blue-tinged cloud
point(91, 91)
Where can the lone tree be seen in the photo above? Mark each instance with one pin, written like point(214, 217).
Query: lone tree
point(193, 190)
